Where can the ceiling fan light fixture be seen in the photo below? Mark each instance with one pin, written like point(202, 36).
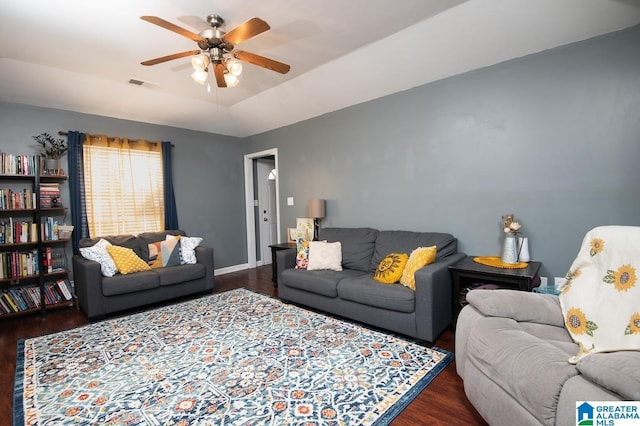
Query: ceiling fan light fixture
point(231, 80)
point(200, 62)
point(234, 66)
point(200, 76)
point(217, 49)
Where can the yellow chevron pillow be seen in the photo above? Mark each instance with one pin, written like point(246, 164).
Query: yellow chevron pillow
point(419, 258)
point(126, 260)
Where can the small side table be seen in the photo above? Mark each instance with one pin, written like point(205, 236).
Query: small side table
point(467, 272)
point(274, 267)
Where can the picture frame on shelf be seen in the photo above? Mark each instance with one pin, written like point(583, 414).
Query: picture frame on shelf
point(305, 223)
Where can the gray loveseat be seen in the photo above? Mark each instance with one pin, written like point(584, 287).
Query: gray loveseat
point(99, 295)
point(353, 293)
point(511, 351)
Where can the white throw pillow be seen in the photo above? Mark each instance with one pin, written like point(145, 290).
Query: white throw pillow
point(98, 253)
point(325, 256)
point(188, 249)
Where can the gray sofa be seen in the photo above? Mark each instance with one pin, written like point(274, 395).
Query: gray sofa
point(354, 294)
point(99, 295)
point(512, 349)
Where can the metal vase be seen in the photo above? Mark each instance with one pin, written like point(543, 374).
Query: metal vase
point(523, 249)
point(509, 249)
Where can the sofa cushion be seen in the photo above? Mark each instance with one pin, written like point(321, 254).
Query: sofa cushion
point(357, 246)
point(390, 268)
point(98, 253)
point(521, 306)
point(510, 357)
point(147, 238)
point(302, 253)
point(165, 253)
point(407, 241)
point(124, 240)
point(324, 255)
point(188, 249)
point(420, 257)
point(367, 291)
point(123, 284)
point(180, 274)
point(320, 282)
point(126, 260)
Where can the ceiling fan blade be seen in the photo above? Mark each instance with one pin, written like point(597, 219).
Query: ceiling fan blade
point(261, 61)
point(170, 57)
point(249, 29)
point(171, 27)
point(219, 71)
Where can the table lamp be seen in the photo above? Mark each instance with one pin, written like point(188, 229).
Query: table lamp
point(315, 210)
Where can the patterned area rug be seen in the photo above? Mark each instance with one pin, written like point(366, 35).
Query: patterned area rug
point(234, 358)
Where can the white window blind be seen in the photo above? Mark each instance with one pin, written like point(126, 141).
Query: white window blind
point(124, 186)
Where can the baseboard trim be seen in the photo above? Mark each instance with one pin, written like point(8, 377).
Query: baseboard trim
point(230, 269)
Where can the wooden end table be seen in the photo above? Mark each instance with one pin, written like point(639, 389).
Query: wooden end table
point(467, 272)
point(274, 267)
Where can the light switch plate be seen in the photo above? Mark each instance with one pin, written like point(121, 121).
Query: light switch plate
point(289, 201)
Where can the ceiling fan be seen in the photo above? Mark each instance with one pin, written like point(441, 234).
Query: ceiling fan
point(217, 48)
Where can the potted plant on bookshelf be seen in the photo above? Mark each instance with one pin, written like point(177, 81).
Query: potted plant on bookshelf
point(52, 149)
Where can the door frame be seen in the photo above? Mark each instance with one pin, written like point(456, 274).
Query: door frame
point(249, 204)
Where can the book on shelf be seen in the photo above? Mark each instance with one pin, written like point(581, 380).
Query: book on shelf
point(49, 229)
point(49, 195)
point(11, 304)
point(15, 200)
point(18, 232)
point(65, 289)
point(11, 164)
point(48, 263)
point(19, 264)
point(18, 299)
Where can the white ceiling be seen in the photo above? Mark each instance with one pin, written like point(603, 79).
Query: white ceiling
point(79, 55)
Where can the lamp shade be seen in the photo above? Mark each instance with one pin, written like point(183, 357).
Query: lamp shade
point(315, 208)
point(200, 62)
point(234, 67)
point(200, 76)
point(231, 80)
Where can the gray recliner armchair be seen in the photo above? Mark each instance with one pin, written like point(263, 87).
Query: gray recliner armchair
point(517, 356)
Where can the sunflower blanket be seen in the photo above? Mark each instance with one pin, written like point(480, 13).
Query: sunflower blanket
point(600, 297)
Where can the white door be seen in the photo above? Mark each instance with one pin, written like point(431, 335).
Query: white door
point(266, 214)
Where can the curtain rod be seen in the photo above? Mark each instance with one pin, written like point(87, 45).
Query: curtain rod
point(61, 133)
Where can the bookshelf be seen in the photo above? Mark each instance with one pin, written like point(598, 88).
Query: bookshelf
point(33, 269)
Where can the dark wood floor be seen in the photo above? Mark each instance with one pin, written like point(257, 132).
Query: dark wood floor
point(443, 402)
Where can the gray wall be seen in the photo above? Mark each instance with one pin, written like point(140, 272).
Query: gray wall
point(208, 170)
point(553, 138)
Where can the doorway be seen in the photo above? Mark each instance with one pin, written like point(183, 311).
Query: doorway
point(262, 205)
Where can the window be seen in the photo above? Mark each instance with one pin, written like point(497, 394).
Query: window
point(124, 186)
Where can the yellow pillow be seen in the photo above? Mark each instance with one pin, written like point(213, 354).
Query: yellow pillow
point(390, 268)
point(126, 260)
point(419, 258)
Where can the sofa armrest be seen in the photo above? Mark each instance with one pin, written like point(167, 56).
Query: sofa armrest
point(434, 306)
point(285, 259)
point(204, 255)
point(618, 372)
point(518, 305)
point(87, 278)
